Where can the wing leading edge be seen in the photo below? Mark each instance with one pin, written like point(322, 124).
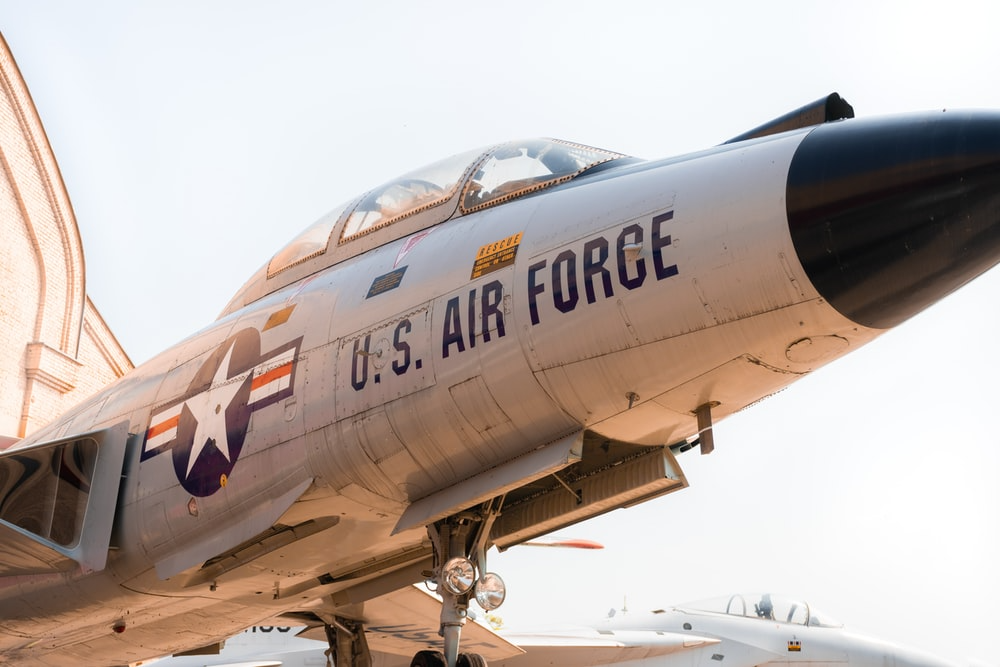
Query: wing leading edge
point(586, 647)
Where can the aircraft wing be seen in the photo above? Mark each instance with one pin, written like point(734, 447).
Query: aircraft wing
point(279, 660)
point(405, 621)
point(21, 554)
point(398, 624)
point(586, 646)
point(201, 661)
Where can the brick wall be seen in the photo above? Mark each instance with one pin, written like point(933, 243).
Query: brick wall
point(55, 349)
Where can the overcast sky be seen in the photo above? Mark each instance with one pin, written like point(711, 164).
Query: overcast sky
point(195, 138)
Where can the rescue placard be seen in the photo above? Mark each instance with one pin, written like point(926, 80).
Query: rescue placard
point(496, 255)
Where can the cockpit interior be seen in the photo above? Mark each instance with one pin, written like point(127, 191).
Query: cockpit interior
point(763, 606)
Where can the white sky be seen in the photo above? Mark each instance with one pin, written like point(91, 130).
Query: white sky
point(195, 138)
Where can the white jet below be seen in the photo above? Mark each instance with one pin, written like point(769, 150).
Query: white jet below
point(735, 631)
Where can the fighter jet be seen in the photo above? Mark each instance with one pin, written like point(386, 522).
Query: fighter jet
point(474, 354)
point(736, 630)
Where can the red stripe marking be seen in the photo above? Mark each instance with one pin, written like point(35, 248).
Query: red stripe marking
point(163, 426)
point(271, 376)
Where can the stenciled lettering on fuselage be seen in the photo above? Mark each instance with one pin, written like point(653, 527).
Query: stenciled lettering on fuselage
point(204, 430)
point(600, 267)
point(391, 356)
point(268, 628)
point(389, 360)
point(481, 309)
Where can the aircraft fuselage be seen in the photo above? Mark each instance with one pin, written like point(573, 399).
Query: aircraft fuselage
point(273, 454)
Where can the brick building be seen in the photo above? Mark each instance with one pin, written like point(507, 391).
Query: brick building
point(55, 349)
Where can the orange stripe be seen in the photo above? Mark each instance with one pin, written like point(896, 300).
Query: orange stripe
point(271, 376)
point(163, 426)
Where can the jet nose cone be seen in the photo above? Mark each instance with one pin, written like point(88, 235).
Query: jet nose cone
point(890, 215)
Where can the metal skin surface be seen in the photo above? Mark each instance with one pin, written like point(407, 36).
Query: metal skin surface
point(638, 294)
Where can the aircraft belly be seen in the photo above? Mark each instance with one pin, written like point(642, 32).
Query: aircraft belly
point(60, 621)
point(174, 625)
point(729, 366)
point(471, 419)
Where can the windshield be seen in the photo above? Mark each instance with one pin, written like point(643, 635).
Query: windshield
point(519, 167)
point(411, 193)
point(485, 177)
point(766, 607)
point(309, 243)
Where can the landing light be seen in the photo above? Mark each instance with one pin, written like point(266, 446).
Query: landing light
point(490, 591)
point(458, 575)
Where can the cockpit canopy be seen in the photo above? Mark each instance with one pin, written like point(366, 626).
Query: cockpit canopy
point(764, 606)
point(428, 196)
point(485, 177)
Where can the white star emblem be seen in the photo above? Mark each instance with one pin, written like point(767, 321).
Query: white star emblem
point(209, 409)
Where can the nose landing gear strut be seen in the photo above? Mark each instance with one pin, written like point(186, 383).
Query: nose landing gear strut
point(460, 543)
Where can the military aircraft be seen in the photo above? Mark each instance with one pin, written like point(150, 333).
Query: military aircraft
point(738, 630)
point(477, 353)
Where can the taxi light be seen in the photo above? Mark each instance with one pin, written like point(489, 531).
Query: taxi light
point(490, 591)
point(458, 575)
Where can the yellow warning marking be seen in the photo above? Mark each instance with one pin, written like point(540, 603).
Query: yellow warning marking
point(278, 317)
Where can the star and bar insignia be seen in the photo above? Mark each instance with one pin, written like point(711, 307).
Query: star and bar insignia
point(204, 430)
